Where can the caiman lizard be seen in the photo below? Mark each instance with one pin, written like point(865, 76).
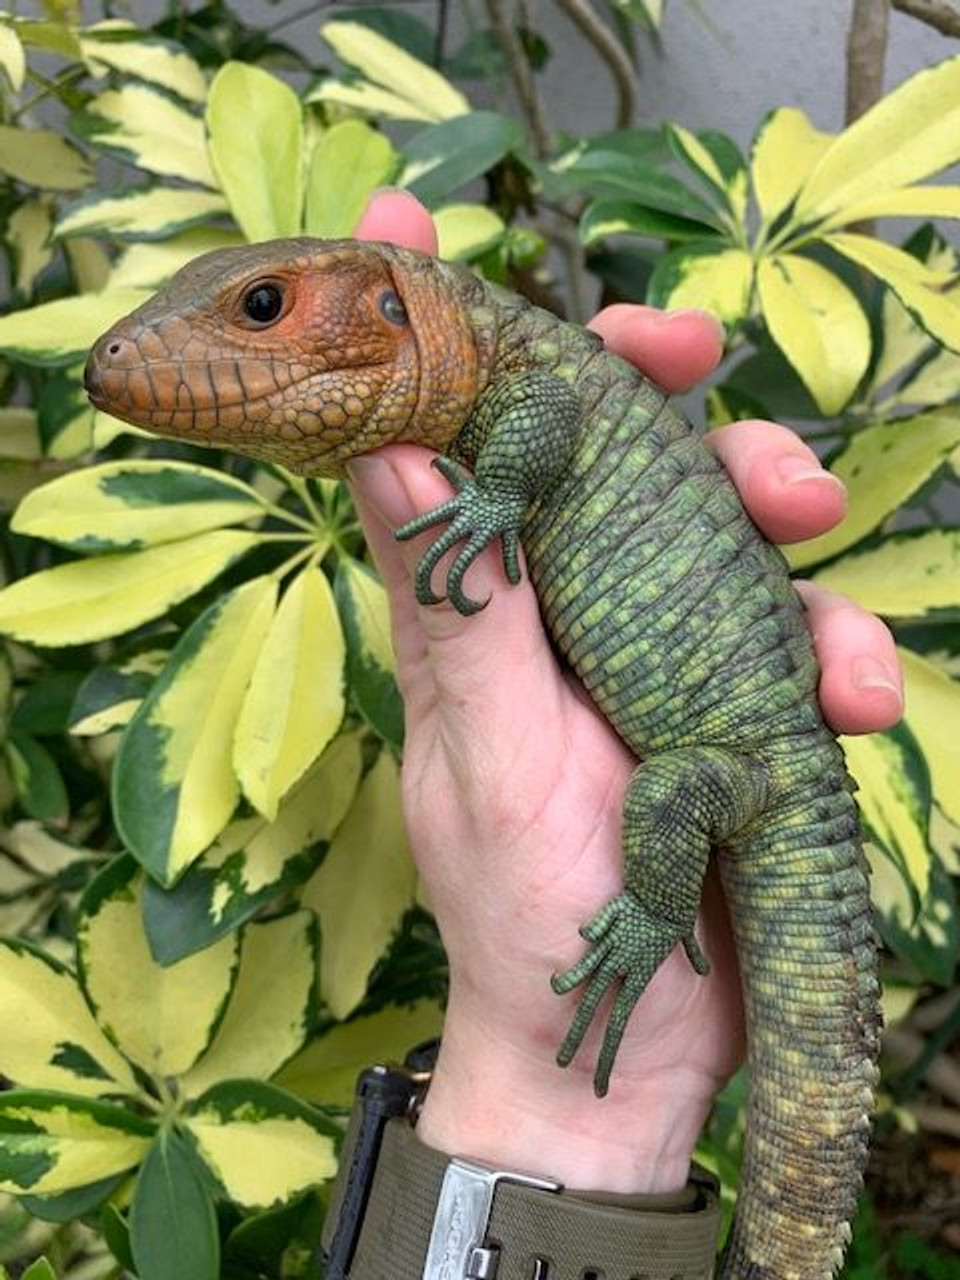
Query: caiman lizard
point(657, 590)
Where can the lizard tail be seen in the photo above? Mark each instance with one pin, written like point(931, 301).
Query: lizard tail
point(798, 895)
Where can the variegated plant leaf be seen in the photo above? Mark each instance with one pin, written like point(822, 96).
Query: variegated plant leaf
point(49, 1039)
point(174, 785)
point(272, 1006)
point(162, 1018)
point(52, 1142)
point(253, 860)
point(262, 1145)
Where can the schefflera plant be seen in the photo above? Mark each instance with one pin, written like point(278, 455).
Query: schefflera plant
point(146, 1085)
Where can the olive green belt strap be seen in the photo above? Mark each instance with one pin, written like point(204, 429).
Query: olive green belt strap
point(531, 1233)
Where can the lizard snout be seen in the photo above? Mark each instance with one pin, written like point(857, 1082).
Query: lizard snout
point(105, 375)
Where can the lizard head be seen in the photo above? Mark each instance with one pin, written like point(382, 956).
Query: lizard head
point(301, 352)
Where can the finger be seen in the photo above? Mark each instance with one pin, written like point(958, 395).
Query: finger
point(780, 480)
point(676, 349)
point(399, 218)
point(861, 688)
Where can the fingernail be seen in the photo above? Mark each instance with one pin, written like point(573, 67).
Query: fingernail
point(795, 468)
point(870, 673)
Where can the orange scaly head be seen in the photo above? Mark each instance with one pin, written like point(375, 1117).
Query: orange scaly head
point(301, 352)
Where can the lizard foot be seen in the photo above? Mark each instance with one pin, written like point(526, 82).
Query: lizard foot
point(476, 516)
point(629, 943)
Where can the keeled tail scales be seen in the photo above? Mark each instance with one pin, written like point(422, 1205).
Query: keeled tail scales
point(660, 593)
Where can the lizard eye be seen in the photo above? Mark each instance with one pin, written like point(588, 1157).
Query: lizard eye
point(263, 303)
point(391, 308)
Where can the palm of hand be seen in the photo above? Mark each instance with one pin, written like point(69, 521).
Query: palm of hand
point(512, 786)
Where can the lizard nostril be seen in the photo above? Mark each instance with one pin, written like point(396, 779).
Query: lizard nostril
point(113, 349)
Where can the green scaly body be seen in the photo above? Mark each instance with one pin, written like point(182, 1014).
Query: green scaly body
point(680, 620)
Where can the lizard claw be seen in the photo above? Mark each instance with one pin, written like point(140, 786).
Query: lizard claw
point(629, 943)
point(476, 516)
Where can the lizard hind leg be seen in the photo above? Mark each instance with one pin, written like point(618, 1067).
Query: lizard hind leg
point(678, 805)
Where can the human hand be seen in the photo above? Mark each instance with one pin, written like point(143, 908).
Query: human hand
point(513, 784)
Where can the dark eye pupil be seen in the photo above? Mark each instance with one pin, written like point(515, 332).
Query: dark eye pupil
point(391, 308)
point(263, 303)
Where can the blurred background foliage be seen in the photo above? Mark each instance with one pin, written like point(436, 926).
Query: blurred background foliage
point(201, 729)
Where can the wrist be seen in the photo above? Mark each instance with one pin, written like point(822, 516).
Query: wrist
point(502, 1100)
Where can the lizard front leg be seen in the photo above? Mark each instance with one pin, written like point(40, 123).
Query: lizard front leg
point(519, 438)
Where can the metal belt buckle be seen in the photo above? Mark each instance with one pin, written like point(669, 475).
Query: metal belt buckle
point(457, 1249)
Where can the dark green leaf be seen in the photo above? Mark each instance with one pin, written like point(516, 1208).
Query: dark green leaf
point(72, 1204)
point(173, 1225)
point(116, 1232)
point(37, 779)
point(767, 377)
point(261, 1239)
point(252, 1100)
point(627, 217)
point(192, 915)
point(45, 706)
point(613, 173)
point(61, 401)
point(446, 156)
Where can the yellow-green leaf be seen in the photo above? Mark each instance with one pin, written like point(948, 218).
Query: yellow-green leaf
point(132, 504)
point(161, 1018)
point(152, 132)
point(917, 286)
point(933, 714)
point(893, 806)
point(262, 1145)
point(785, 149)
point(715, 280)
point(370, 99)
point(12, 58)
point(908, 202)
point(937, 381)
point(148, 212)
point(363, 888)
point(255, 124)
point(42, 158)
point(107, 595)
point(818, 324)
point(61, 332)
point(326, 1070)
point(49, 1036)
point(272, 1004)
point(28, 234)
point(464, 230)
point(906, 576)
point(157, 61)
point(731, 185)
point(174, 785)
point(882, 465)
point(151, 265)
point(51, 1142)
point(312, 811)
point(347, 164)
point(910, 134)
point(428, 93)
point(296, 697)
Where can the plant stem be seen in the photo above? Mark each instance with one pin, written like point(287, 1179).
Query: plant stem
point(521, 74)
point(610, 50)
point(866, 55)
point(940, 15)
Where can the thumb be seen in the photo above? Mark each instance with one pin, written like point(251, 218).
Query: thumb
point(440, 654)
